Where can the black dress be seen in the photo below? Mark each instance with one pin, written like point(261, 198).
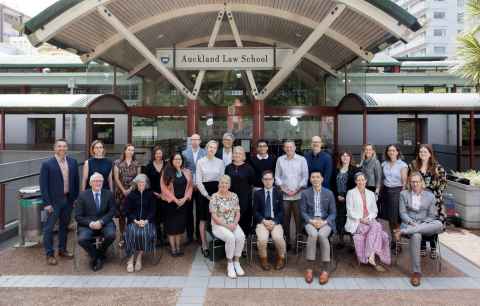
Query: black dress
point(242, 180)
point(102, 166)
point(342, 183)
point(154, 177)
point(175, 216)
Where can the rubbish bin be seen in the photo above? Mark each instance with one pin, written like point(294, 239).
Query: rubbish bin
point(30, 210)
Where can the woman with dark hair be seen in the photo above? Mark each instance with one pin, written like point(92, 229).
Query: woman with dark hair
point(125, 170)
point(435, 179)
point(344, 181)
point(395, 172)
point(97, 163)
point(177, 187)
point(154, 172)
point(372, 168)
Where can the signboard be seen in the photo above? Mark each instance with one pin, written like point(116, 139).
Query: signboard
point(223, 58)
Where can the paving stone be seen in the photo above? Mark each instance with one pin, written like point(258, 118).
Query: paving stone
point(190, 300)
point(254, 282)
point(230, 282)
point(200, 281)
point(344, 283)
point(216, 282)
point(266, 282)
point(278, 282)
point(242, 282)
point(198, 292)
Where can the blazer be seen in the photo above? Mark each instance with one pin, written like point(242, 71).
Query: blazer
point(327, 203)
point(352, 170)
point(86, 209)
point(168, 193)
point(259, 205)
point(51, 181)
point(355, 208)
point(425, 213)
point(140, 206)
point(188, 156)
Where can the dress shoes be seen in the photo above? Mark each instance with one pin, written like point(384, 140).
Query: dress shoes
point(264, 263)
point(280, 263)
point(323, 278)
point(309, 276)
point(415, 279)
point(97, 265)
point(51, 261)
point(65, 254)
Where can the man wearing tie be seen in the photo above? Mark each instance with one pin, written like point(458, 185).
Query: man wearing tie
point(59, 184)
point(191, 155)
point(94, 212)
point(268, 203)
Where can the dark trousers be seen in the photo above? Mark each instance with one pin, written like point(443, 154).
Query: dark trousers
point(61, 212)
point(189, 221)
point(87, 236)
point(196, 196)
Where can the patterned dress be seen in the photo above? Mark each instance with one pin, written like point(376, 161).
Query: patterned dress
point(126, 174)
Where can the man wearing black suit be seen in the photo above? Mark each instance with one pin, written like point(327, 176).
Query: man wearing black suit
point(59, 184)
point(268, 203)
point(94, 211)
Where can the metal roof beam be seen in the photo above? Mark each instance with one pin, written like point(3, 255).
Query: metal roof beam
point(137, 69)
point(144, 51)
point(294, 59)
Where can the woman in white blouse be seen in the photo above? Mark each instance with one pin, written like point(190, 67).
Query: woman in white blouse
point(208, 172)
point(369, 238)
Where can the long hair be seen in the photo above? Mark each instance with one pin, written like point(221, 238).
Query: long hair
point(364, 147)
point(170, 171)
point(122, 157)
point(339, 159)
point(432, 161)
point(155, 149)
point(387, 158)
point(92, 146)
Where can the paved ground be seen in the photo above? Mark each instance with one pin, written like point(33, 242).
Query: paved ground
point(193, 280)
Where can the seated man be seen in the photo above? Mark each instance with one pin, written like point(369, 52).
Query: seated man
point(94, 211)
point(419, 217)
point(268, 203)
point(318, 210)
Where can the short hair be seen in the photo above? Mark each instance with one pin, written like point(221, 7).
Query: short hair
point(289, 141)
point(225, 178)
point(141, 178)
point(60, 140)
point(95, 175)
point(154, 151)
point(267, 172)
point(417, 174)
point(316, 171)
point(387, 158)
point(210, 142)
point(229, 135)
point(261, 141)
point(94, 143)
point(241, 150)
point(358, 174)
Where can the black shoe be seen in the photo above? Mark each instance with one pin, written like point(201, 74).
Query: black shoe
point(173, 253)
point(205, 253)
point(92, 264)
point(244, 253)
point(98, 264)
point(340, 245)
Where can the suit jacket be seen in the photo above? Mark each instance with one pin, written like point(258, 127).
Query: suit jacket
point(355, 208)
point(51, 181)
point(259, 205)
point(188, 156)
point(86, 209)
point(425, 213)
point(327, 203)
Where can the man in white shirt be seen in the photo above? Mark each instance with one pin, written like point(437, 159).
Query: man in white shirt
point(291, 176)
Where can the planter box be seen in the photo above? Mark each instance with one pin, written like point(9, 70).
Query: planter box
point(467, 203)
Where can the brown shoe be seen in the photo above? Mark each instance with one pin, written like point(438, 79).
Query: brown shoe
point(65, 254)
point(280, 263)
point(323, 278)
point(264, 263)
point(52, 261)
point(415, 279)
point(309, 275)
point(397, 235)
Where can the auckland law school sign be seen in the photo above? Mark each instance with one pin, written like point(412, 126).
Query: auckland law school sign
point(223, 58)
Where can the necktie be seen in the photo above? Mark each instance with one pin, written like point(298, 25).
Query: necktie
point(268, 206)
point(97, 201)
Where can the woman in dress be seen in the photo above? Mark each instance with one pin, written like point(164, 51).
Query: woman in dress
point(344, 181)
point(395, 172)
point(370, 240)
point(371, 167)
point(225, 210)
point(125, 170)
point(177, 190)
point(140, 212)
point(209, 170)
point(435, 179)
point(97, 163)
point(154, 172)
point(242, 176)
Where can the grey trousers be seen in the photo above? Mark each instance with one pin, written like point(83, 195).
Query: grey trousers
point(290, 208)
point(320, 235)
point(416, 232)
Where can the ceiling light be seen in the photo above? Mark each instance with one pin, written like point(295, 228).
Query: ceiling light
point(293, 121)
point(209, 121)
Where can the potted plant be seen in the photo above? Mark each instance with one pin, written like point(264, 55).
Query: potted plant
point(465, 189)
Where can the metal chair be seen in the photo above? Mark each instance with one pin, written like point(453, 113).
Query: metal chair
point(253, 246)
point(404, 241)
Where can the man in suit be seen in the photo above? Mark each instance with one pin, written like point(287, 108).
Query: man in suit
point(226, 152)
point(191, 155)
point(419, 217)
point(59, 184)
point(318, 210)
point(268, 203)
point(94, 212)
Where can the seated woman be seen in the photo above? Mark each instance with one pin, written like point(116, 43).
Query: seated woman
point(225, 211)
point(140, 235)
point(368, 236)
point(419, 216)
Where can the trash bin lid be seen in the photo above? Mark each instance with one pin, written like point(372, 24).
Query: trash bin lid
point(29, 190)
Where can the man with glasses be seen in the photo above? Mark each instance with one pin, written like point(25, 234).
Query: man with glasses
point(419, 218)
point(191, 155)
point(226, 152)
point(261, 162)
point(320, 161)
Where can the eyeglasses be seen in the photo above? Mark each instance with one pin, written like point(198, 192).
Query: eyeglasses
point(262, 145)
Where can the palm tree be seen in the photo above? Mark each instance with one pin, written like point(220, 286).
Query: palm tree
point(469, 47)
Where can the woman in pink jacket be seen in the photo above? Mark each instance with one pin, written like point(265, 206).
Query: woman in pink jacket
point(176, 186)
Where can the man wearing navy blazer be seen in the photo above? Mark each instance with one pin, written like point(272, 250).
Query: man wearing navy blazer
point(318, 210)
point(94, 212)
point(59, 184)
point(268, 203)
point(191, 155)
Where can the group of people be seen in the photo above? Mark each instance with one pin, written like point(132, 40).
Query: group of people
point(234, 198)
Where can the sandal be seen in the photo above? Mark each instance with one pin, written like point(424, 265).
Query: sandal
point(121, 244)
point(433, 253)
